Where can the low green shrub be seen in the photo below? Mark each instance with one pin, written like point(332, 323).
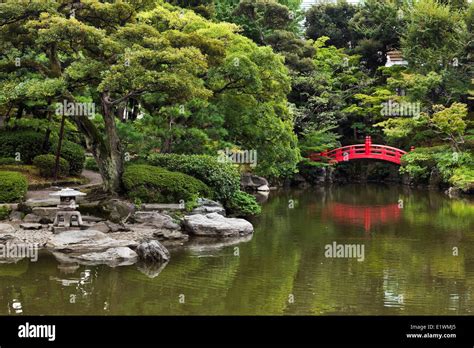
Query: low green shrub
point(28, 144)
point(150, 184)
point(73, 153)
point(91, 164)
point(222, 178)
point(463, 178)
point(8, 161)
point(243, 204)
point(13, 187)
point(4, 212)
point(47, 163)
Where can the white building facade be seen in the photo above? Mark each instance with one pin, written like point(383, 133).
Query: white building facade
point(308, 3)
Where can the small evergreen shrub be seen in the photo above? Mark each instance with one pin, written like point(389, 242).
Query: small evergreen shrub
point(150, 184)
point(222, 178)
point(13, 187)
point(243, 204)
point(8, 161)
point(47, 163)
point(91, 164)
point(74, 154)
point(28, 144)
point(4, 212)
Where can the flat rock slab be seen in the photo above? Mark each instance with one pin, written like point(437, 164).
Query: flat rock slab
point(216, 225)
point(113, 257)
point(86, 241)
point(31, 226)
point(6, 228)
point(161, 207)
point(42, 202)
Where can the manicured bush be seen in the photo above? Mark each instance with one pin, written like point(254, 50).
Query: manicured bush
point(243, 204)
point(8, 161)
point(91, 164)
point(13, 187)
point(73, 153)
point(152, 184)
point(222, 178)
point(47, 163)
point(28, 144)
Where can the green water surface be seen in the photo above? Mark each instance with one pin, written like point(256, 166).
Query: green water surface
point(418, 259)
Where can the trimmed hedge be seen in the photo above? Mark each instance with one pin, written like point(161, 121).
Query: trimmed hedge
point(91, 164)
point(13, 187)
point(8, 161)
point(28, 143)
point(150, 184)
point(73, 153)
point(223, 178)
point(47, 163)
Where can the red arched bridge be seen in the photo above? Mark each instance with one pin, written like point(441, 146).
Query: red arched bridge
point(359, 151)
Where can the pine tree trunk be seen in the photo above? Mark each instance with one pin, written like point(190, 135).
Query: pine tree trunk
point(107, 149)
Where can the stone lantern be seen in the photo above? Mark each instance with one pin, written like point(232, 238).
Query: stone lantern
point(67, 217)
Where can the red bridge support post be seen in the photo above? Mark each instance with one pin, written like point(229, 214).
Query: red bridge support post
point(368, 144)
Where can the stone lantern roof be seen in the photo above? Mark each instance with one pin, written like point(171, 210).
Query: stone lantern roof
point(67, 192)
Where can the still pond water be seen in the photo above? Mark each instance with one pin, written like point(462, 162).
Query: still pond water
point(408, 265)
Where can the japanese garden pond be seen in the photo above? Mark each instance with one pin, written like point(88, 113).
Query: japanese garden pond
point(418, 258)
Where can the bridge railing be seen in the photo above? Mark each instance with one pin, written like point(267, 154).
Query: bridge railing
point(359, 151)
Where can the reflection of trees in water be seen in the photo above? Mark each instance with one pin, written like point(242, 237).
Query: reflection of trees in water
point(408, 269)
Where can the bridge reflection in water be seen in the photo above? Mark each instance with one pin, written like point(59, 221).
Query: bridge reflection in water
point(362, 215)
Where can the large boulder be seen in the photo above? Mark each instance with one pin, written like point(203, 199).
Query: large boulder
point(32, 218)
point(109, 227)
point(155, 219)
point(16, 216)
point(249, 181)
point(216, 225)
point(46, 214)
point(206, 206)
point(117, 210)
point(120, 256)
point(85, 241)
point(152, 251)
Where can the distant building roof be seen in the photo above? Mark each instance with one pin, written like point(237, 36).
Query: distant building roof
point(308, 3)
point(395, 58)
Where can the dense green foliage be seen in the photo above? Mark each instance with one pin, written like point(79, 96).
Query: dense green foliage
point(13, 187)
point(243, 204)
point(150, 184)
point(74, 154)
point(196, 77)
point(4, 212)
point(26, 144)
point(47, 163)
point(222, 178)
point(8, 160)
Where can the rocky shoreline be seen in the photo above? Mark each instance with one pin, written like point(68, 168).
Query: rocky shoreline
point(136, 235)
